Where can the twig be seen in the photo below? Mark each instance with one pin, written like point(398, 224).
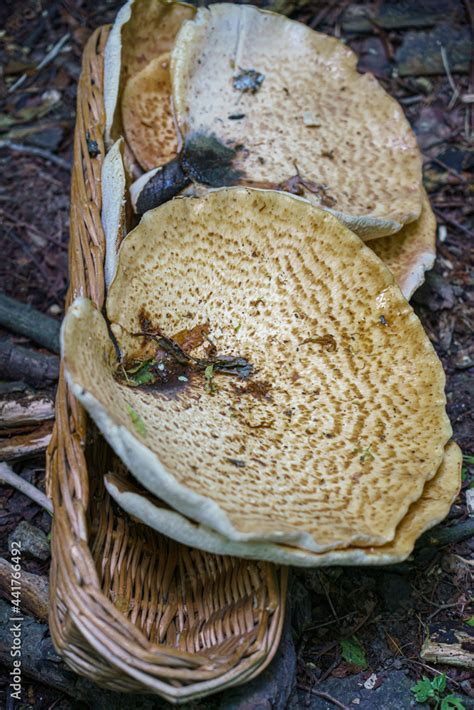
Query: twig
point(442, 607)
point(326, 696)
point(52, 54)
point(13, 479)
point(15, 222)
point(328, 597)
point(30, 253)
point(470, 109)
point(327, 623)
point(452, 171)
point(322, 14)
point(453, 86)
point(454, 223)
point(430, 668)
point(39, 152)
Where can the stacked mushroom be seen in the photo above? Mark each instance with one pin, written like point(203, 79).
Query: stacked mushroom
point(258, 371)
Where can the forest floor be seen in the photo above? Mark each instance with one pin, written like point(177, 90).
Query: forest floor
point(357, 633)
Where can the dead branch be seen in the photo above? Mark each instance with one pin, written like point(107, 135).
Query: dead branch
point(25, 320)
point(25, 445)
point(34, 597)
point(450, 644)
point(438, 537)
point(17, 363)
point(27, 410)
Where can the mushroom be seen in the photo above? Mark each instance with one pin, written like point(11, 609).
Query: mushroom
point(147, 115)
point(114, 198)
point(430, 509)
point(143, 30)
point(410, 252)
point(290, 102)
point(338, 424)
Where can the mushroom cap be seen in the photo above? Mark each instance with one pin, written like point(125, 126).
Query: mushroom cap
point(147, 115)
point(410, 252)
point(142, 31)
point(113, 215)
point(430, 509)
point(311, 114)
point(343, 421)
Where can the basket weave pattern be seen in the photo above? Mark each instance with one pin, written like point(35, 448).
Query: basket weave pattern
point(131, 609)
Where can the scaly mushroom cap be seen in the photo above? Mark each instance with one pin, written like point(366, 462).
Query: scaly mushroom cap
point(433, 506)
point(147, 115)
point(290, 100)
point(343, 420)
point(142, 31)
point(412, 251)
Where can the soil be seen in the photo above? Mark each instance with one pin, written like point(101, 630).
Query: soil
point(387, 611)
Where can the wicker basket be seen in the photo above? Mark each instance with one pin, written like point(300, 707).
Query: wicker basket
point(131, 609)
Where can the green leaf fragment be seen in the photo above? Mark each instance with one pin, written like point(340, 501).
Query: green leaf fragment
point(427, 689)
point(137, 421)
point(452, 702)
point(366, 455)
point(210, 386)
point(470, 622)
point(353, 652)
point(423, 690)
point(141, 374)
point(439, 683)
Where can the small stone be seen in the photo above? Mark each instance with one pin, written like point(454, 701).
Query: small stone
point(398, 14)
point(420, 52)
point(33, 540)
point(49, 139)
point(464, 359)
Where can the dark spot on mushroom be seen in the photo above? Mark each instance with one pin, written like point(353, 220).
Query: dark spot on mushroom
point(162, 186)
point(248, 80)
point(237, 462)
point(206, 160)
